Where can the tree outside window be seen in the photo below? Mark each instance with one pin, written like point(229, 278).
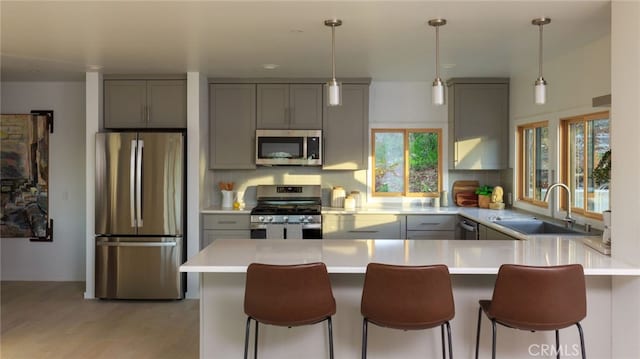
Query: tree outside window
point(406, 162)
point(586, 141)
point(533, 162)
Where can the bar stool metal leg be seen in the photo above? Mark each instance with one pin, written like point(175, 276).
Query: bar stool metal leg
point(557, 344)
point(444, 356)
point(493, 345)
point(246, 338)
point(364, 338)
point(478, 331)
point(449, 338)
point(584, 353)
point(255, 345)
point(330, 337)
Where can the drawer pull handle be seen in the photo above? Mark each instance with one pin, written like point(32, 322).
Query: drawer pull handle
point(429, 223)
point(362, 231)
point(227, 222)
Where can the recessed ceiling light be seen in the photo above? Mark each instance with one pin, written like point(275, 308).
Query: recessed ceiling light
point(94, 67)
point(270, 66)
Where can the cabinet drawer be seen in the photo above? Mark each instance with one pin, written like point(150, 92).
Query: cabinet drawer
point(431, 234)
point(436, 222)
point(362, 227)
point(225, 221)
point(209, 235)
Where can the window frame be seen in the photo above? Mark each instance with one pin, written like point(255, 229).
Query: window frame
point(405, 132)
point(521, 162)
point(564, 158)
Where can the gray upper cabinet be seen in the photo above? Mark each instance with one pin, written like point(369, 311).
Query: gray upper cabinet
point(145, 104)
point(478, 123)
point(232, 126)
point(289, 106)
point(345, 130)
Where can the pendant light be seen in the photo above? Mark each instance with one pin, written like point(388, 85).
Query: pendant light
point(437, 89)
point(333, 87)
point(540, 91)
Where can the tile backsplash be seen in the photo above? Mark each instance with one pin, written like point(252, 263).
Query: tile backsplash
point(245, 181)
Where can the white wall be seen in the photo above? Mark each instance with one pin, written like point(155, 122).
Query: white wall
point(625, 199)
point(574, 79)
point(64, 258)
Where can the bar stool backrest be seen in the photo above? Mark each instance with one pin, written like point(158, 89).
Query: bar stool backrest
point(288, 295)
point(539, 298)
point(407, 297)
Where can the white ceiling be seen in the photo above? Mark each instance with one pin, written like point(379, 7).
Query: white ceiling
point(384, 40)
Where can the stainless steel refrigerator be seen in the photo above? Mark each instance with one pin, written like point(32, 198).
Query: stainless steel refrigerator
point(140, 210)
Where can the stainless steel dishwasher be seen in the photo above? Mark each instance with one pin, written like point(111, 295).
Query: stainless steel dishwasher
point(467, 228)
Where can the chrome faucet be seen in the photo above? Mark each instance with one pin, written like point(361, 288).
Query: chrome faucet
point(569, 221)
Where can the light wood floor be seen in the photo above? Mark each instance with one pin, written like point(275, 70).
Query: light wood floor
point(52, 320)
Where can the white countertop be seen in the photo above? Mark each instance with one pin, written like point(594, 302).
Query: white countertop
point(220, 210)
point(352, 256)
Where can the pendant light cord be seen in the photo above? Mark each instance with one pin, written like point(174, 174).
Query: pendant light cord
point(540, 54)
point(437, 52)
point(333, 52)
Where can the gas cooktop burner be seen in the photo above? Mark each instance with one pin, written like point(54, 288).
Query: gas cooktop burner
point(286, 209)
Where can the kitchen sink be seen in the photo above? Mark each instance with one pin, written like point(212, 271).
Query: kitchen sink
point(537, 226)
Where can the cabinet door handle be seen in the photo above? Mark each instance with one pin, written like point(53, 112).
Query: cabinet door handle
point(148, 113)
point(362, 231)
point(429, 223)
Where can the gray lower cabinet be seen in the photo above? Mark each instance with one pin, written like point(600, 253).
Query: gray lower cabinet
point(487, 233)
point(232, 126)
point(478, 123)
point(224, 226)
point(289, 106)
point(145, 104)
point(431, 226)
point(345, 130)
point(363, 226)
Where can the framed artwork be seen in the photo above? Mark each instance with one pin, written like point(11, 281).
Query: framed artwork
point(24, 175)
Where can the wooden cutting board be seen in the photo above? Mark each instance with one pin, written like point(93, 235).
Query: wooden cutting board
point(463, 186)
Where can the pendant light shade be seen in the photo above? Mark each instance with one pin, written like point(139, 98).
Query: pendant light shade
point(333, 87)
point(437, 89)
point(540, 85)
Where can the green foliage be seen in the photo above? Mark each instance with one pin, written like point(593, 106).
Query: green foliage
point(423, 150)
point(484, 190)
point(602, 172)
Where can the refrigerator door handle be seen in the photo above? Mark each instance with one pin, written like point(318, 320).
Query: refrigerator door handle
point(132, 183)
point(137, 244)
point(139, 182)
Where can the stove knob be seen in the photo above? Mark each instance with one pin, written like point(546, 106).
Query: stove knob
point(285, 219)
point(309, 219)
point(270, 219)
point(261, 219)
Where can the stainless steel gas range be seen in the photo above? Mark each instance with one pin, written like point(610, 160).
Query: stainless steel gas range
point(287, 212)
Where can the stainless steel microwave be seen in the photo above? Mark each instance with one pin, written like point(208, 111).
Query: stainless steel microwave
point(289, 147)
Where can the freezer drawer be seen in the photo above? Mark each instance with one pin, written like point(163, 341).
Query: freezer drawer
point(139, 268)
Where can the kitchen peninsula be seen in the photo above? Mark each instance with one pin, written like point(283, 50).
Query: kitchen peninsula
point(473, 265)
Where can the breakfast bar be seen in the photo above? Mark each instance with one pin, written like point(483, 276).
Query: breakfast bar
point(472, 264)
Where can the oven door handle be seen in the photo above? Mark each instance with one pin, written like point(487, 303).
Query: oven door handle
point(467, 226)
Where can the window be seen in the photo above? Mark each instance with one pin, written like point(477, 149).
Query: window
point(533, 162)
point(407, 162)
point(585, 144)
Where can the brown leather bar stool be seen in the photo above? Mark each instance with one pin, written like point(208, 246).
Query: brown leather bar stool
point(288, 295)
point(536, 298)
point(407, 298)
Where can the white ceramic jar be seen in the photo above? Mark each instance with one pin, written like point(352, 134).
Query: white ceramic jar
point(337, 197)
